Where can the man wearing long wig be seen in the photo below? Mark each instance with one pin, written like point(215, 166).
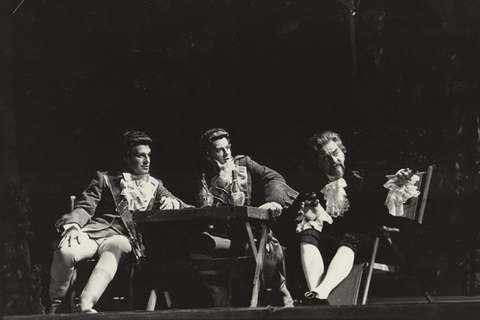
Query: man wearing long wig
point(332, 232)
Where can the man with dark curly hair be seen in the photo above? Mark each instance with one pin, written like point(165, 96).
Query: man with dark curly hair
point(221, 168)
point(98, 225)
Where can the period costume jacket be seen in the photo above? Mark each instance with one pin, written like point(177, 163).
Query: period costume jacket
point(366, 211)
point(275, 190)
point(274, 184)
point(95, 211)
point(352, 219)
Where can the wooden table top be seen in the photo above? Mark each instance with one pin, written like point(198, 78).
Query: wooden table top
point(207, 213)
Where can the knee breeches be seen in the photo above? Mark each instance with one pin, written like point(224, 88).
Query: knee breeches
point(115, 249)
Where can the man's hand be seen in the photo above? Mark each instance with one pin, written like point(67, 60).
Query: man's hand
point(226, 167)
point(403, 176)
point(73, 233)
point(219, 165)
point(275, 207)
point(306, 210)
point(167, 203)
point(313, 211)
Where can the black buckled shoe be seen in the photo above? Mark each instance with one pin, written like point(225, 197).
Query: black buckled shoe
point(312, 297)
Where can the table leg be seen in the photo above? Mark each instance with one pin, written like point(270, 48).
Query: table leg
point(251, 239)
point(259, 267)
point(152, 300)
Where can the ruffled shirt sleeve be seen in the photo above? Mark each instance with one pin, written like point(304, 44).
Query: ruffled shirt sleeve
point(336, 205)
point(397, 196)
point(312, 218)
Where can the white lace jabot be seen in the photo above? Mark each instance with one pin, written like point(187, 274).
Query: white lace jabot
point(336, 197)
point(138, 192)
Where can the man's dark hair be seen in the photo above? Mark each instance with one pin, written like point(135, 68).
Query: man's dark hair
point(134, 138)
point(212, 135)
point(318, 141)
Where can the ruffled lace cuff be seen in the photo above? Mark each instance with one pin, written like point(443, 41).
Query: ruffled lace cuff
point(313, 218)
point(397, 196)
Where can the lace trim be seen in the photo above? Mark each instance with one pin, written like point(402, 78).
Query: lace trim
point(336, 197)
point(138, 192)
point(312, 218)
point(397, 196)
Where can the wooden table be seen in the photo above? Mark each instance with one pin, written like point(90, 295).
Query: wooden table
point(244, 214)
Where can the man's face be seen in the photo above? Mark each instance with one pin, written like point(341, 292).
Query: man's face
point(220, 151)
point(332, 160)
point(138, 161)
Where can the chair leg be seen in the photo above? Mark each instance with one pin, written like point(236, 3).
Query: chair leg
point(413, 273)
point(370, 270)
point(395, 249)
point(410, 270)
point(130, 287)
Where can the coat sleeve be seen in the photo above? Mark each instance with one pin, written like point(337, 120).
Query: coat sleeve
point(85, 206)
point(275, 187)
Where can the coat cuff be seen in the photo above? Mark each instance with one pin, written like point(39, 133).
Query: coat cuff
point(280, 192)
point(77, 216)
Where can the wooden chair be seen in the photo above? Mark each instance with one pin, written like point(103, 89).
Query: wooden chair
point(82, 272)
point(349, 291)
point(414, 209)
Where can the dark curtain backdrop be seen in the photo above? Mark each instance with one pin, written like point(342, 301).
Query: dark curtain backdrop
point(80, 73)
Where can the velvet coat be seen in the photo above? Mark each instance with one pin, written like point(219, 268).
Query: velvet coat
point(95, 211)
point(275, 188)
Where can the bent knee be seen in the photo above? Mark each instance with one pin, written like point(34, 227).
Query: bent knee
point(76, 252)
point(119, 245)
point(65, 255)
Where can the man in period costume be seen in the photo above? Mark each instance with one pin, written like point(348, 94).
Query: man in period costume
point(100, 223)
point(333, 229)
point(222, 170)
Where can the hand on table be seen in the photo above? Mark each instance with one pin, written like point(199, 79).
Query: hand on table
point(167, 203)
point(274, 206)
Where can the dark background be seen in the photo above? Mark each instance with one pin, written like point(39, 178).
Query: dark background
point(76, 75)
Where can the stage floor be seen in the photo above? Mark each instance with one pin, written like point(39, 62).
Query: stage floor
point(406, 308)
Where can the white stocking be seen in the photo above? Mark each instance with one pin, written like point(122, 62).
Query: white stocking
point(338, 270)
point(312, 263)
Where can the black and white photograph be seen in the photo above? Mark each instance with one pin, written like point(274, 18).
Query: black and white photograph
point(227, 159)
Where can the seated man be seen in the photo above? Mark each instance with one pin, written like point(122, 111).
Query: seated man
point(331, 235)
point(220, 172)
point(98, 226)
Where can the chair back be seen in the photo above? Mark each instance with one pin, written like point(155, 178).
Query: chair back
point(414, 208)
